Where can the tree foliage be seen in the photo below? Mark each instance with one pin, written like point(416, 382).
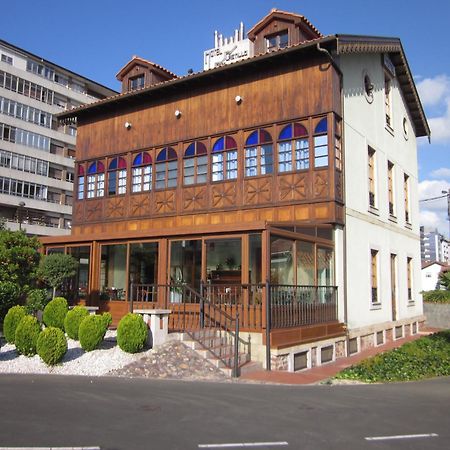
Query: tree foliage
point(19, 260)
point(444, 280)
point(57, 268)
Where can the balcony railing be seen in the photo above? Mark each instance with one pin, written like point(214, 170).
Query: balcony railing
point(290, 305)
point(293, 306)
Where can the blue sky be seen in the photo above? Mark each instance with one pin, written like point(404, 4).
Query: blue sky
point(97, 37)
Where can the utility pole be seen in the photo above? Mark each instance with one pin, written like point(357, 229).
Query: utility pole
point(448, 210)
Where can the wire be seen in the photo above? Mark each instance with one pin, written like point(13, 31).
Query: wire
point(433, 198)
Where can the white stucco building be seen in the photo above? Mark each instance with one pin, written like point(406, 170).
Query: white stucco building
point(37, 154)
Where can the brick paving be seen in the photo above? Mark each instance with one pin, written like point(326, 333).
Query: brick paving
point(322, 373)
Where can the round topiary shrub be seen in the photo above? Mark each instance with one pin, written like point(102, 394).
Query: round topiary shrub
point(132, 333)
point(55, 312)
point(51, 345)
point(91, 332)
point(27, 333)
point(73, 320)
point(12, 320)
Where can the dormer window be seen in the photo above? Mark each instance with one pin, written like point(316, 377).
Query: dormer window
point(277, 41)
point(137, 82)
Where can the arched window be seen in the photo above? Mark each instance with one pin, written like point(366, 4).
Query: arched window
point(293, 148)
point(321, 144)
point(258, 154)
point(117, 176)
point(96, 180)
point(195, 164)
point(224, 159)
point(80, 182)
point(166, 168)
point(141, 173)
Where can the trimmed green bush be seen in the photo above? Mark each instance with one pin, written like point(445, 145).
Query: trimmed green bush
point(51, 345)
point(73, 320)
point(12, 320)
point(55, 313)
point(27, 333)
point(91, 332)
point(437, 296)
point(426, 357)
point(132, 333)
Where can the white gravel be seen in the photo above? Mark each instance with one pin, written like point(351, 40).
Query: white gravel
point(76, 361)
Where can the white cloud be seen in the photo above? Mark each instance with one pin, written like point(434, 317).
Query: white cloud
point(435, 93)
point(443, 172)
point(433, 90)
point(433, 214)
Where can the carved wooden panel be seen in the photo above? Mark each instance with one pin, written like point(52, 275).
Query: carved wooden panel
point(78, 212)
point(258, 191)
point(223, 195)
point(165, 202)
point(293, 187)
point(94, 210)
point(115, 208)
point(140, 205)
point(195, 198)
point(338, 185)
point(320, 184)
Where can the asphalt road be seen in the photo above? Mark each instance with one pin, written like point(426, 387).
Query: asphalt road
point(116, 413)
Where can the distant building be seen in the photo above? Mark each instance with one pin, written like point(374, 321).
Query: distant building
point(433, 246)
point(430, 275)
point(37, 154)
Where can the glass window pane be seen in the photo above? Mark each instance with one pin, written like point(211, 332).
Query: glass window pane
point(113, 271)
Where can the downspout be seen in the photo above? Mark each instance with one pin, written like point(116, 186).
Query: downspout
point(344, 237)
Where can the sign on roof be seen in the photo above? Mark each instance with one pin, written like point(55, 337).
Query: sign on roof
point(227, 50)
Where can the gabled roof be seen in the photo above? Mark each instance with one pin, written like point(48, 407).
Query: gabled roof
point(283, 15)
point(348, 43)
point(338, 44)
point(444, 267)
point(136, 60)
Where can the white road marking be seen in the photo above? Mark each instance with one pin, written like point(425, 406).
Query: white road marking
point(49, 448)
point(244, 444)
point(400, 436)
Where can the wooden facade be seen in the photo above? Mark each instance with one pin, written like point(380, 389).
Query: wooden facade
point(298, 87)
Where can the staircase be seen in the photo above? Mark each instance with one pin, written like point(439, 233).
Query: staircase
point(216, 336)
point(217, 348)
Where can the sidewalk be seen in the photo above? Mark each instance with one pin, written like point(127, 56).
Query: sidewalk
point(321, 373)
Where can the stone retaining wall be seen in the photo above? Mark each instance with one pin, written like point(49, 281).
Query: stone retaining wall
point(437, 314)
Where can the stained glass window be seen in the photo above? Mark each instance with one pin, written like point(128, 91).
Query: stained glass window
point(166, 168)
point(224, 159)
point(321, 144)
point(195, 164)
point(293, 148)
point(141, 173)
point(117, 176)
point(258, 154)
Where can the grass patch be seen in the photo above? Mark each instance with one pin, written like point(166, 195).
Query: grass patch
point(426, 357)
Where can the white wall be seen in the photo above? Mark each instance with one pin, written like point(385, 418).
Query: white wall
point(365, 125)
point(430, 276)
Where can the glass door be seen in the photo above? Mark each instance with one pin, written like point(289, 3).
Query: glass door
point(186, 262)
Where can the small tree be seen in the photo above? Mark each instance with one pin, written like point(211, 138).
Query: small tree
point(56, 269)
point(19, 260)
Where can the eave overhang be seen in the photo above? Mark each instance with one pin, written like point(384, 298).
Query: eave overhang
point(335, 44)
point(393, 46)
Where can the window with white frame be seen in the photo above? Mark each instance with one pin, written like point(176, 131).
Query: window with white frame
point(293, 148)
point(195, 164)
point(166, 169)
point(117, 176)
point(321, 143)
point(96, 180)
point(224, 159)
point(141, 173)
point(258, 154)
